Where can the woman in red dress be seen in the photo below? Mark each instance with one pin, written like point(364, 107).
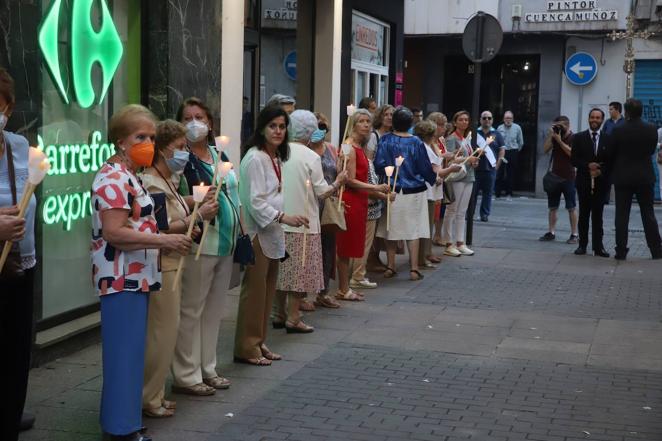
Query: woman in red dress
point(351, 243)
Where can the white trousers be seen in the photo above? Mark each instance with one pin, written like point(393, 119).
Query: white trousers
point(454, 227)
point(205, 285)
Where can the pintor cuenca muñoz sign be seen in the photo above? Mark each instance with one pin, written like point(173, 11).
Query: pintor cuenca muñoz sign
point(572, 11)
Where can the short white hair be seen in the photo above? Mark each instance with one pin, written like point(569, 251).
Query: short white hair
point(302, 125)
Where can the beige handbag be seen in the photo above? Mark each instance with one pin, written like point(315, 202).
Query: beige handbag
point(333, 218)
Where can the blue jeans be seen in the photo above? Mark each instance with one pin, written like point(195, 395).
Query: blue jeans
point(485, 184)
point(123, 328)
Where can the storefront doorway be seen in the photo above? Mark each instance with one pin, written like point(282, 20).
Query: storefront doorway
point(509, 82)
point(370, 55)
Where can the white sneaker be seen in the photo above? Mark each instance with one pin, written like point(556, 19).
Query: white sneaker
point(451, 250)
point(464, 250)
point(365, 284)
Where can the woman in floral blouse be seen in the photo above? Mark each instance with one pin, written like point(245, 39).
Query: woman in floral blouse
point(125, 267)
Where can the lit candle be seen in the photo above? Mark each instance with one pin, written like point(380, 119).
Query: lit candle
point(38, 167)
point(199, 193)
point(389, 172)
point(223, 141)
point(305, 229)
point(346, 150)
point(350, 110)
point(398, 162)
point(222, 170)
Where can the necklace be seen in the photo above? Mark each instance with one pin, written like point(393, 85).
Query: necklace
point(173, 191)
point(275, 163)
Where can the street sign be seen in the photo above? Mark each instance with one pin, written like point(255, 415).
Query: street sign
point(581, 68)
point(290, 65)
point(482, 38)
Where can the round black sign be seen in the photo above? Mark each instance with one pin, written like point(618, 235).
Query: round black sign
point(482, 38)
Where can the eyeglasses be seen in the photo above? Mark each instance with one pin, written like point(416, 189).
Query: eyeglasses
point(485, 117)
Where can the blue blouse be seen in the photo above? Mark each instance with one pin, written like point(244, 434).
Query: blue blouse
point(416, 169)
point(19, 146)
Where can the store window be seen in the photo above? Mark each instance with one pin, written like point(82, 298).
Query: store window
point(91, 54)
point(370, 55)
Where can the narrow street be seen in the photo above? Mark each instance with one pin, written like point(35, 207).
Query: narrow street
point(523, 341)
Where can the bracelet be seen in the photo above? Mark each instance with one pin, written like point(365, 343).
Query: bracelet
point(280, 217)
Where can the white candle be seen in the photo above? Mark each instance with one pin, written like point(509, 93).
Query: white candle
point(224, 168)
point(350, 110)
point(223, 140)
point(199, 192)
point(389, 172)
point(346, 150)
point(305, 229)
point(399, 160)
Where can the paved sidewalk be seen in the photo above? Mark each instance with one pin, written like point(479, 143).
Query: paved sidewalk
point(523, 341)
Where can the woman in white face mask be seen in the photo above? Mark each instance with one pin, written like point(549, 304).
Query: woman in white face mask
point(162, 181)
point(206, 281)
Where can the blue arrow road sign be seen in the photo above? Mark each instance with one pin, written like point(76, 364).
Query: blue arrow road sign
point(581, 68)
point(290, 65)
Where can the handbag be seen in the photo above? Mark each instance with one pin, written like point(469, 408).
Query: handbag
point(13, 267)
point(458, 175)
point(244, 254)
point(333, 218)
point(551, 182)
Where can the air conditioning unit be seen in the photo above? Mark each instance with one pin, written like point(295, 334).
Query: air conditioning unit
point(516, 12)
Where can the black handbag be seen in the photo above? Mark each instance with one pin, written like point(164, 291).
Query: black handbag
point(551, 182)
point(13, 267)
point(243, 249)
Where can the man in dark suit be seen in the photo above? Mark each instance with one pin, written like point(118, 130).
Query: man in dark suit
point(588, 156)
point(629, 152)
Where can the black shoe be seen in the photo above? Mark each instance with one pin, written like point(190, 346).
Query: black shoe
point(573, 239)
point(547, 237)
point(600, 253)
point(27, 421)
point(483, 218)
point(580, 251)
point(656, 254)
point(620, 256)
point(278, 325)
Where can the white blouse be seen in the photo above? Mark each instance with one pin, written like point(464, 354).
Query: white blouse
point(262, 202)
point(303, 164)
point(434, 192)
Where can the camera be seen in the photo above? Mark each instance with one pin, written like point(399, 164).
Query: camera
point(558, 129)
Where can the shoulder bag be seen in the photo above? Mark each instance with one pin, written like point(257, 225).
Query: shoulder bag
point(243, 249)
point(333, 216)
point(13, 268)
point(551, 182)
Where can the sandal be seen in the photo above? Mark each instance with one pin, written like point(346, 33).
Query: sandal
point(217, 382)
point(417, 275)
point(198, 390)
point(434, 259)
point(306, 306)
point(428, 266)
point(298, 328)
point(168, 404)
point(326, 302)
point(159, 412)
point(389, 273)
point(351, 296)
point(266, 353)
point(438, 242)
point(259, 361)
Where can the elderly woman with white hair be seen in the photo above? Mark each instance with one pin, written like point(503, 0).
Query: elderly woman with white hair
point(303, 185)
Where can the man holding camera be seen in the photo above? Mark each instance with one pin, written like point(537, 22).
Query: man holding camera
point(588, 156)
point(561, 176)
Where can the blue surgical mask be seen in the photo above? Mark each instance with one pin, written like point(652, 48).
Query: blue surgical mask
point(178, 162)
point(317, 135)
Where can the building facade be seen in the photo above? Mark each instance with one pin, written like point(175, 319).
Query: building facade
point(527, 76)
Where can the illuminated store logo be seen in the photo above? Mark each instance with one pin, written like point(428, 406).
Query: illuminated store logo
point(87, 48)
point(70, 159)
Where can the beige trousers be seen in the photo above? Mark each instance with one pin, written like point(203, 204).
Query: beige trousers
point(162, 325)
point(205, 286)
point(358, 266)
point(258, 288)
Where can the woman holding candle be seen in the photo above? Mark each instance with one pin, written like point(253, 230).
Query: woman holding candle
point(409, 211)
point(262, 199)
point(16, 301)
point(453, 229)
point(427, 132)
point(329, 158)
point(125, 267)
point(303, 186)
point(206, 281)
point(170, 158)
point(350, 243)
point(439, 146)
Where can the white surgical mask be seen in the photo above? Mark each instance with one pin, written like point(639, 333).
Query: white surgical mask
point(196, 130)
point(178, 162)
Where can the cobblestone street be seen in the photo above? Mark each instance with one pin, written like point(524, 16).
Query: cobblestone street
point(523, 341)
